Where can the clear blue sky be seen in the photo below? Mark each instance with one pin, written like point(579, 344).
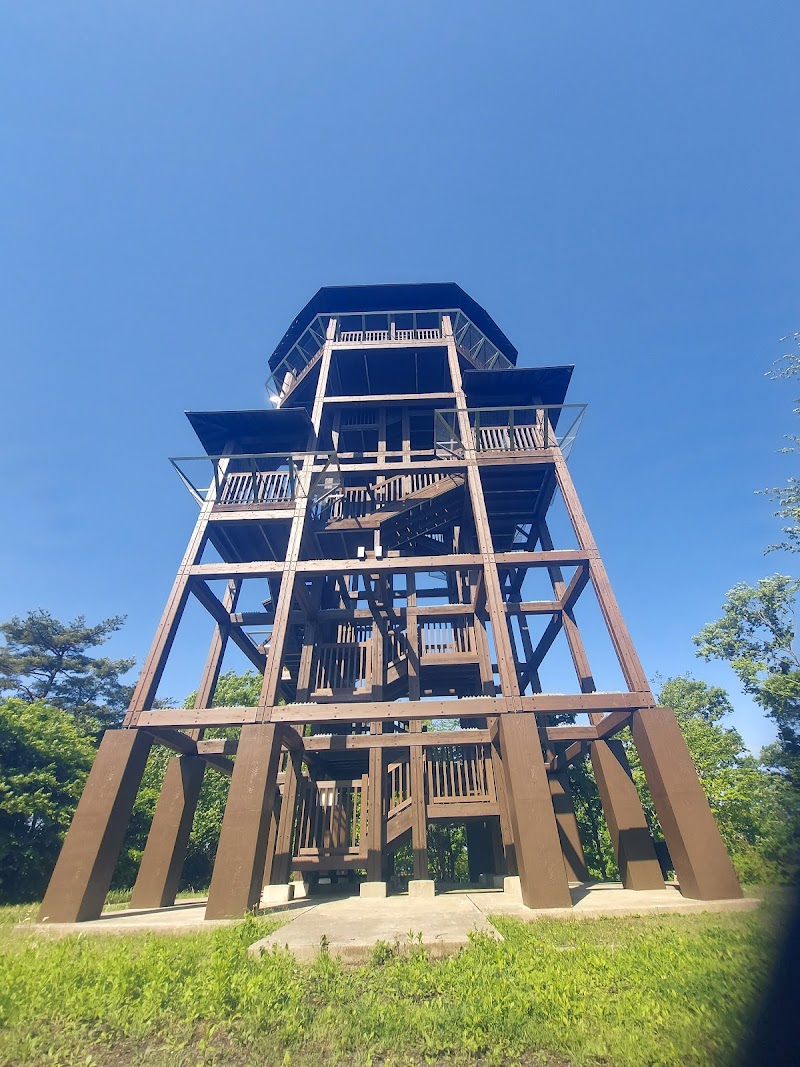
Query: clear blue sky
point(616, 183)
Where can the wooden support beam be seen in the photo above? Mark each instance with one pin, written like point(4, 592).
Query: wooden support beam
point(82, 875)
point(536, 841)
point(701, 860)
point(222, 617)
point(241, 854)
point(165, 850)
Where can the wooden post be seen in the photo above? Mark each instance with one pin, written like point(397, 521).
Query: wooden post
point(537, 845)
point(419, 807)
point(165, 851)
point(574, 859)
point(375, 816)
point(82, 875)
point(630, 835)
point(701, 860)
point(239, 866)
point(283, 847)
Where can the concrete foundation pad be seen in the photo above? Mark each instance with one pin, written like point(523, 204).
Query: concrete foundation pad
point(512, 886)
point(352, 925)
point(422, 887)
point(372, 890)
point(277, 894)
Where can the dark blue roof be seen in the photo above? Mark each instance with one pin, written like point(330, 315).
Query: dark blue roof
point(283, 430)
point(423, 296)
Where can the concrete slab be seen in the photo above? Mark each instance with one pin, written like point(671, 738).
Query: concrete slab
point(596, 900)
point(351, 926)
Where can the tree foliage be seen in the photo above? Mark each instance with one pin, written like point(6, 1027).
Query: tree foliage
point(45, 756)
point(46, 660)
point(756, 635)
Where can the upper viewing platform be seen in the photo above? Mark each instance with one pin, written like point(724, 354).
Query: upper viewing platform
point(386, 317)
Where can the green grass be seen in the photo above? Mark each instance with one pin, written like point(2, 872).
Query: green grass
point(641, 992)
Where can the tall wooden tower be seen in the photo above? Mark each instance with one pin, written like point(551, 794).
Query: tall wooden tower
point(392, 514)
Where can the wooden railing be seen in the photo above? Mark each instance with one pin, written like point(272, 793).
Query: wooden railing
point(447, 637)
point(460, 773)
point(356, 501)
point(364, 336)
point(259, 487)
point(522, 438)
point(345, 665)
point(331, 819)
point(398, 786)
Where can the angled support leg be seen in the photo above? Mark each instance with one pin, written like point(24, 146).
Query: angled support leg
point(165, 851)
point(83, 873)
point(283, 847)
point(630, 835)
point(537, 845)
point(574, 859)
point(701, 860)
point(241, 855)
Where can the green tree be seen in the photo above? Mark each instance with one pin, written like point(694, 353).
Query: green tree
point(47, 660)
point(756, 635)
point(45, 756)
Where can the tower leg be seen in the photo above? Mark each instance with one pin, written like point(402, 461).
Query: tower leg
point(239, 866)
point(509, 865)
point(375, 821)
point(701, 860)
point(419, 814)
point(283, 847)
point(537, 846)
point(83, 873)
point(574, 859)
point(630, 835)
point(165, 851)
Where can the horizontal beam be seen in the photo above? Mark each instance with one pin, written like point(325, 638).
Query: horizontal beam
point(391, 564)
point(415, 400)
point(414, 711)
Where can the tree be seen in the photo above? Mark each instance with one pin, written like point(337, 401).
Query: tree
point(756, 635)
point(44, 660)
point(787, 497)
point(45, 756)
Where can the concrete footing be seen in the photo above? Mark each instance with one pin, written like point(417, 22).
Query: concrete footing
point(422, 887)
point(512, 886)
point(372, 890)
point(277, 894)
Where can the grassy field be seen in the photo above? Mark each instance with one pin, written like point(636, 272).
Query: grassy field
point(618, 992)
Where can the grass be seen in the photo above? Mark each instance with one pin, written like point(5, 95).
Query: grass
point(646, 992)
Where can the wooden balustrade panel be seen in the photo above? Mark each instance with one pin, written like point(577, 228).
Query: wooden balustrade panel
point(447, 637)
point(329, 822)
point(263, 487)
point(460, 773)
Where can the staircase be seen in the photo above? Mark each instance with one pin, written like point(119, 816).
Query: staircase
point(405, 506)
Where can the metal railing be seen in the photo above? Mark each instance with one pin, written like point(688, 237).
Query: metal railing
point(507, 429)
point(265, 479)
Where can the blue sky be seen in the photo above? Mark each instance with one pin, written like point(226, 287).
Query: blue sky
point(615, 183)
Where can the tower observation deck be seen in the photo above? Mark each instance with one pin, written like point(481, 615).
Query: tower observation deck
point(388, 517)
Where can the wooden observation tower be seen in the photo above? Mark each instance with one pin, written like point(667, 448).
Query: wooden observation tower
point(390, 517)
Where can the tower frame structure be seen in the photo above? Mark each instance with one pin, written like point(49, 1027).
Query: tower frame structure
point(392, 507)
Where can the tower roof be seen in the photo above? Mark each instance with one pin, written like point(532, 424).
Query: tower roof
point(419, 296)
